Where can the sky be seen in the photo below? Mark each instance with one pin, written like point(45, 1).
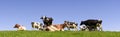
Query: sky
point(24, 12)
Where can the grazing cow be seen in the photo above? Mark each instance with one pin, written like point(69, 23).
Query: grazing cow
point(19, 27)
point(92, 24)
point(71, 25)
point(47, 20)
point(37, 25)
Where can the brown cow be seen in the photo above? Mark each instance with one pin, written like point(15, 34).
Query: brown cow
point(19, 27)
point(56, 27)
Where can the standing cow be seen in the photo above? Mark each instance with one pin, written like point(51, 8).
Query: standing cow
point(47, 22)
point(71, 25)
point(92, 24)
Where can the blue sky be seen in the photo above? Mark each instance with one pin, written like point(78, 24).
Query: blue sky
point(25, 11)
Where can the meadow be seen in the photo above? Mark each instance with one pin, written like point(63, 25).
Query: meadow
point(58, 34)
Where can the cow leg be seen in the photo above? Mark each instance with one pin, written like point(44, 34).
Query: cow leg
point(68, 28)
point(86, 29)
point(89, 28)
point(62, 30)
point(94, 28)
point(99, 27)
point(75, 28)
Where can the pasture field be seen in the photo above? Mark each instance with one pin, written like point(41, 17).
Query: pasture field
point(58, 34)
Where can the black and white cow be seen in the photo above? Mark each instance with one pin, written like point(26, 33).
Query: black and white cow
point(71, 25)
point(47, 20)
point(37, 25)
point(92, 24)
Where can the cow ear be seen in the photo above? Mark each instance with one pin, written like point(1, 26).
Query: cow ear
point(41, 17)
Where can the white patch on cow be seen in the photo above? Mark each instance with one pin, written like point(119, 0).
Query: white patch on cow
point(62, 29)
point(84, 28)
point(74, 25)
point(47, 18)
point(44, 16)
point(22, 28)
point(51, 29)
point(100, 27)
point(54, 27)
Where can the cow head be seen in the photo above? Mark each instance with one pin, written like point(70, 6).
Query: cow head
point(66, 23)
point(100, 21)
point(82, 22)
point(16, 26)
point(32, 22)
point(76, 24)
point(43, 17)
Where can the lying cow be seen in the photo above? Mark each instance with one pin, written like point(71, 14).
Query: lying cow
point(56, 27)
point(92, 24)
point(37, 25)
point(19, 27)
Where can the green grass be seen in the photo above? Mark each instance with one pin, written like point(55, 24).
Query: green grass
point(57, 34)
